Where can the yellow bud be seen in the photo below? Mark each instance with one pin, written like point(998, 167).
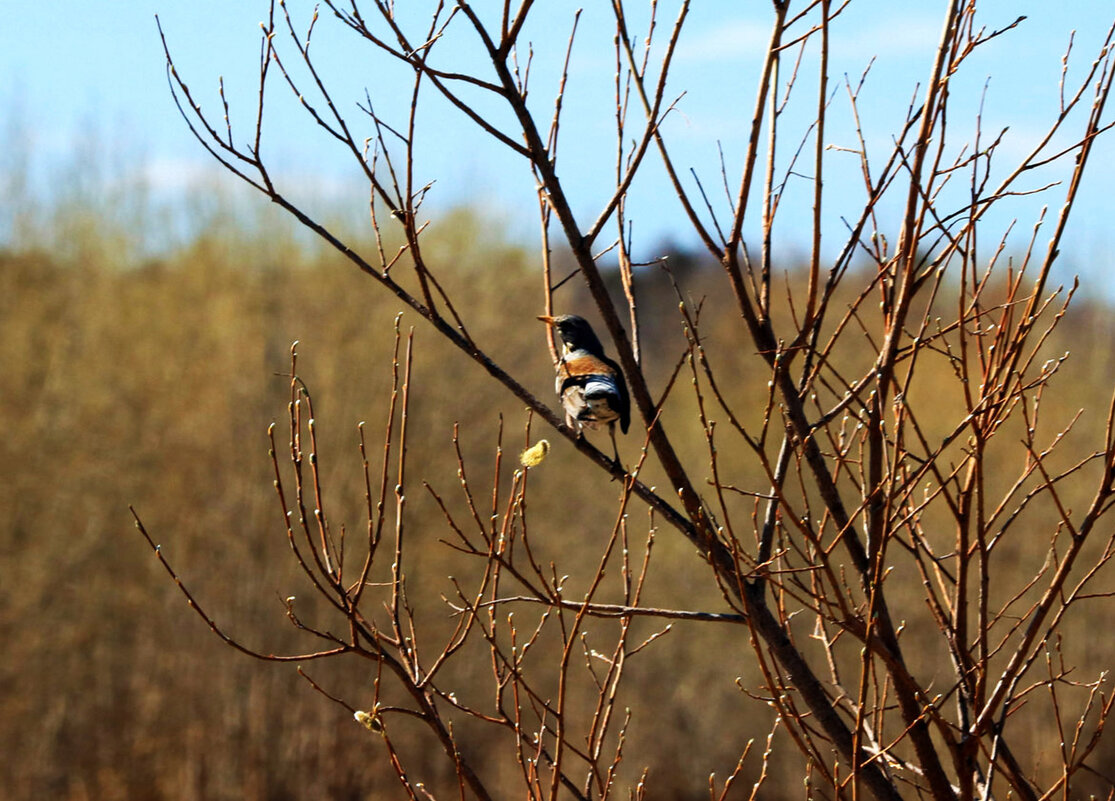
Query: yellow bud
point(533, 456)
point(368, 721)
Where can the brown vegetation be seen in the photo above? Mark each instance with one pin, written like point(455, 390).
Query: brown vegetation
point(859, 536)
point(153, 384)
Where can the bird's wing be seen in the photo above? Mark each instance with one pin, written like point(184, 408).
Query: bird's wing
point(624, 407)
point(597, 376)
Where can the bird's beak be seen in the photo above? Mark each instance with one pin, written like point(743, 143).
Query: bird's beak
point(546, 319)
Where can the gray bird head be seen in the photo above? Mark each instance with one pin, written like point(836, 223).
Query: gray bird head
point(575, 333)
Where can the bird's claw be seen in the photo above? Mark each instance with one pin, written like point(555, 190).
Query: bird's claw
point(618, 468)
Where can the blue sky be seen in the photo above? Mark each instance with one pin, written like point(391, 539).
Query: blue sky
point(80, 78)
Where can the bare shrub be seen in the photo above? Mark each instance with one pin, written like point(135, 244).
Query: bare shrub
point(892, 523)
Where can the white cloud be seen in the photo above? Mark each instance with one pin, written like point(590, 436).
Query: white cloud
point(910, 38)
point(733, 39)
point(177, 175)
point(727, 41)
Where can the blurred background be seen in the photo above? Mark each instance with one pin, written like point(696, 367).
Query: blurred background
point(147, 308)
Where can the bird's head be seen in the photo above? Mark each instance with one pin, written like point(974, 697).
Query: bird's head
point(575, 333)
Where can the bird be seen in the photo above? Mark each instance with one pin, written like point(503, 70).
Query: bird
point(590, 385)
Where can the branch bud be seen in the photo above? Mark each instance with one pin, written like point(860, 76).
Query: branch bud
point(533, 456)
